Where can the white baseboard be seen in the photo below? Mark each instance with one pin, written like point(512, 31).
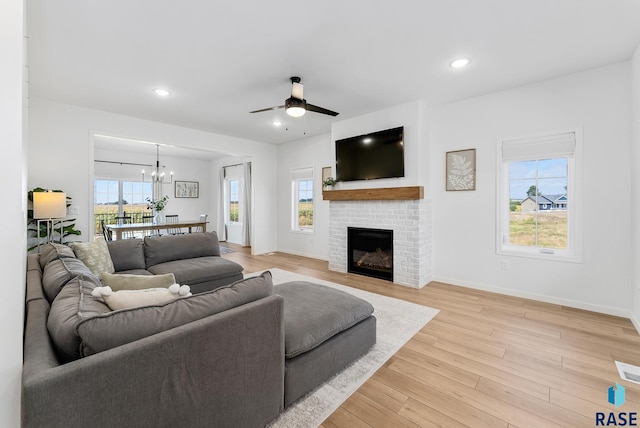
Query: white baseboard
point(608, 310)
point(635, 321)
point(303, 254)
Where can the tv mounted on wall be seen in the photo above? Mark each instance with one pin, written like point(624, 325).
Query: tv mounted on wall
point(370, 156)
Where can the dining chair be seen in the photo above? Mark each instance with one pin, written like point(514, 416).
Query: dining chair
point(171, 219)
point(203, 218)
point(125, 219)
point(108, 235)
point(148, 219)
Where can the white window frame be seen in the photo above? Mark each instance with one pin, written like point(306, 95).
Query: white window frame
point(297, 175)
point(573, 252)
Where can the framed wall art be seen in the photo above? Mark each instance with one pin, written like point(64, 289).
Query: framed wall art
point(186, 189)
point(461, 170)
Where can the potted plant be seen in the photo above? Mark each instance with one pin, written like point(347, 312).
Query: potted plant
point(328, 182)
point(157, 205)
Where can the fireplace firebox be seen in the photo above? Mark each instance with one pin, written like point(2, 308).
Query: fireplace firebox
point(370, 252)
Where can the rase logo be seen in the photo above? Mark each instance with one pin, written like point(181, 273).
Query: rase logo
point(616, 396)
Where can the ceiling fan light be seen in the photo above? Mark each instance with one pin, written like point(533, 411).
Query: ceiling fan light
point(295, 107)
point(296, 111)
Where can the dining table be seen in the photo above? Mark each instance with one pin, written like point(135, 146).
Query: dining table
point(119, 229)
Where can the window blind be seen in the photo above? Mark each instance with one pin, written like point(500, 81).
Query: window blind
point(557, 145)
point(302, 174)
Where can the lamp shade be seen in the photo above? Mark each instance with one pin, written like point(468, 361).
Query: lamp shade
point(49, 205)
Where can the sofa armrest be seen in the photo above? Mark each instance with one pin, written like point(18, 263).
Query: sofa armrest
point(223, 370)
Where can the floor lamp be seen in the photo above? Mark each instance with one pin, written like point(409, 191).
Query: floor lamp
point(47, 207)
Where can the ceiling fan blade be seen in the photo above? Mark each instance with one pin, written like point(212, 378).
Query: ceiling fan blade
point(297, 90)
point(311, 107)
point(267, 109)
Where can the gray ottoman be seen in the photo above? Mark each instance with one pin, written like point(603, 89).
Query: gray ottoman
point(324, 331)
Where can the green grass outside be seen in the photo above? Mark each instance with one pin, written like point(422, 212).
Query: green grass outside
point(552, 229)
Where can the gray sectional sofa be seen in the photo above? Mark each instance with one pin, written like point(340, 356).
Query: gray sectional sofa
point(233, 356)
point(193, 258)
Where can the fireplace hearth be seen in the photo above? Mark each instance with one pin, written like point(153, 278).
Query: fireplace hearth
point(370, 252)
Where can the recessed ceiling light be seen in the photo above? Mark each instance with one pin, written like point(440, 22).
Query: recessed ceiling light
point(277, 123)
point(459, 63)
point(161, 92)
point(367, 140)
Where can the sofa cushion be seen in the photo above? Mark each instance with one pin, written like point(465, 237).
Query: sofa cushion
point(127, 254)
point(119, 327)
point(200, 269)
point(95, 255)
point(161, 249)
point(73, 304)
point(125, 299)
point(136, 282)
point(314, 313)
point(60, 271)
point(53, 251)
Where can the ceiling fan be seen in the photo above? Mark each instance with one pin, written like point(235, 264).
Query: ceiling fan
point(296, 105)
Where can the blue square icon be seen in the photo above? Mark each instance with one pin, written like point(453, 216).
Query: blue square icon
point(616, 395)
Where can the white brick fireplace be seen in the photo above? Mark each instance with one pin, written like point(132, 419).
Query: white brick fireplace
point(410, 221)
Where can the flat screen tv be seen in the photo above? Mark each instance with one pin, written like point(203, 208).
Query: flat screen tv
point(367, 157)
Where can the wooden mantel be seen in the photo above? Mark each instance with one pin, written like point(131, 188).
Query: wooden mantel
point(380, 194)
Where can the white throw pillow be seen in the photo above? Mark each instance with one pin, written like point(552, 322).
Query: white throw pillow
point(125, 299)
point(124, 281)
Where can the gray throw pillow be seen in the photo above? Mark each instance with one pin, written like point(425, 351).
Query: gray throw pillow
point(53, 251)
point(160, 249)
point(73, 304)
point(127, 254)
point(128, 325)
point(57, 273)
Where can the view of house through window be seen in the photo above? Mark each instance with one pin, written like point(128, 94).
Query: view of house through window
point(538, 203)
point(537, 209)
point(114, 198)
point(302, 200)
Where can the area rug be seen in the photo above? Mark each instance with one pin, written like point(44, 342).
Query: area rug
point(226, 250)
point(397, 322)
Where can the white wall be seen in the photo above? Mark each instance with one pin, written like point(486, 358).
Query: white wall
point(464, 250)
point(59, 156)
point(416, 143)
point(13, 215)
point(635, 184)
point(310, 152)
point(184, 169)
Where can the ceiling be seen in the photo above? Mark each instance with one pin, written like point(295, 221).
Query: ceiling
point(221, 60)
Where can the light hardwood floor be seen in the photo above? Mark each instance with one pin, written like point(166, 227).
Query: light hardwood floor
point(486, 360)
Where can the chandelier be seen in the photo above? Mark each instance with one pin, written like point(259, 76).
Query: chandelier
point(158, 175)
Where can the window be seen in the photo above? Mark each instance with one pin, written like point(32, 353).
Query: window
point(538, 197)
point(233, 201)
point(302, 200)
point(114, 197)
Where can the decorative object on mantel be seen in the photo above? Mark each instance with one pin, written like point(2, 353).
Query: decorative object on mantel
point(375, 194)
point(186, 189)
point(157, 205)
point(328, 182)
point(326, 174)
point(461, 170)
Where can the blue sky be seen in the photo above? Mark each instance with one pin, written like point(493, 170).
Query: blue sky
point(134, 192)
point(551, 177)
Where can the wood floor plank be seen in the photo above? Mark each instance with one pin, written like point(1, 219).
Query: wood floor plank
point(485, 360)
point(536, 406)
